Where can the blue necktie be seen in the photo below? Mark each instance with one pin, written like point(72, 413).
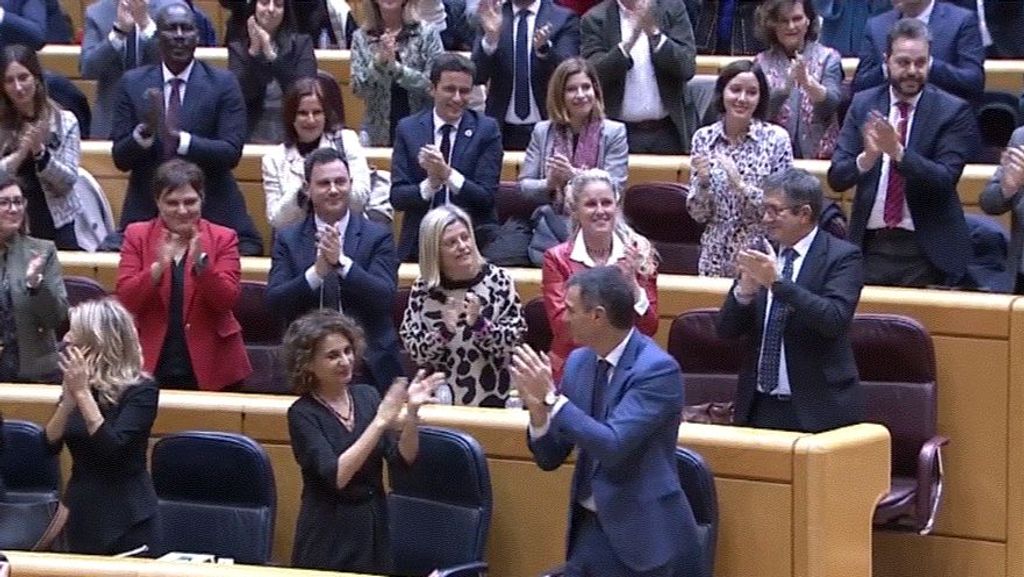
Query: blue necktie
point(771, 344)
point(522, 75)
point(597, 411)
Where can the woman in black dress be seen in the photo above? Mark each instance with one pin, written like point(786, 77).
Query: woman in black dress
point(105, 415)
point(340, 435)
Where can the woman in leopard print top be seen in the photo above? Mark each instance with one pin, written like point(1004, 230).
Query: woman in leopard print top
point(464, 316)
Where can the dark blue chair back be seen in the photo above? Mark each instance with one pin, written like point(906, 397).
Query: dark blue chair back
point(30, 472)
point(439, 509)
point(699, 485)
point(217, 495)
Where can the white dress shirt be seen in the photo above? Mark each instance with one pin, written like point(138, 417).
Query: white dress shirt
point(641, 99)
point(531, 24)
point(876, 219)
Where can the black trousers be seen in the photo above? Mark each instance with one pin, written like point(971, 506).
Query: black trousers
point(516, 136)
point(654, 137)
point(772, 412)
point(893, 258)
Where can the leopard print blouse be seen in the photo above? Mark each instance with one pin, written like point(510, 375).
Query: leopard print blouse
point(475, 357)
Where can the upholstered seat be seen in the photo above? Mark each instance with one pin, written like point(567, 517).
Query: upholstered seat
point(657, 210)
point(538, 330)
point(217, 495)
point(698, 484)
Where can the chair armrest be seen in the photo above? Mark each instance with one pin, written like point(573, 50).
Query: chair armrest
point(475, 569)
point(929, 482)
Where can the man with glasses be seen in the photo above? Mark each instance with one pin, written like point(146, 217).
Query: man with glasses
point(797, 302)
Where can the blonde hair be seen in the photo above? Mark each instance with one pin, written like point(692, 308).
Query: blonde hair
point(626, 233)
point(431, 230)
point(106, 333)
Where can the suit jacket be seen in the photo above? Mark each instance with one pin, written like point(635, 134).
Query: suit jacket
point(640, 505)
point(212, 333)
point(742, 41)
point(823, 379)
point(499, 68)
point(24, 23)
point(37, 313)
point(110, 489)
point(367, 291)
point(674, 63)
point(295, 60)
point(102, 62)
point(958, 56)
point(612, 155)
point(942, 136)
point(993, 202)
point(476, 153)
point(213, 113)
point(843, 21)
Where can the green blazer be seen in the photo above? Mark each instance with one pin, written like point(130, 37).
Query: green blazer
point(39, 312)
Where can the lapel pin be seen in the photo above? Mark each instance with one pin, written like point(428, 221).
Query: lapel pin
point(468, 133)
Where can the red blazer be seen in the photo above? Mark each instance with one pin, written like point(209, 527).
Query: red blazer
point(213, 334)
point(558, 267)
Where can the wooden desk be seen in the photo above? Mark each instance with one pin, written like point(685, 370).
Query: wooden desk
point(25, 564)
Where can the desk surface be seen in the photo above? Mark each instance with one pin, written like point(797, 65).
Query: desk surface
point(25, 564)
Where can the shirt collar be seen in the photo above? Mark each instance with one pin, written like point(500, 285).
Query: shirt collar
point(615, 355)
point(803, 245)
point(580, 255)
point(185, 74)
point(754, 131)
point(894, 98)
point(439, 122)
point(341, 225)
point(926, 16)
point(532, 8)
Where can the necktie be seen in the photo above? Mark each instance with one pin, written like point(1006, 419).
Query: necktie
point(331, 292)
point(771, 344)
point(441, 196)
point(172, 116)
point(894, 190)
point(522, 74)
point(131, 50)
point(597, 411)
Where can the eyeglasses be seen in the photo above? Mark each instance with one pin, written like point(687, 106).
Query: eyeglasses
point(773, 211)
point(7, 203)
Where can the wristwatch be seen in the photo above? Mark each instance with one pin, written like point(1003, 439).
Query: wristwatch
point(550, 399)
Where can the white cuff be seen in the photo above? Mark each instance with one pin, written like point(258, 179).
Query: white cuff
point(312, 278)
point(426, 191)
point(538, 432)
point(642, 303)
point(147, 32)
point(345, 265)
point(116, 40)
point(489, 49)
point(455, 181)
point(184, 139)
point(741, 298)
point(143, 142)
point(862, 166)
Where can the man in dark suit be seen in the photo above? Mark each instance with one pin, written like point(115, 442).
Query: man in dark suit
point(957, 55)
point(620, 402)
point(1005, 193)
point(907, 216)
point(644, 72)
point(339, 260)
point(447, 154)
point(796, 305)
point(1001, 26)
point(23, 22)
point(188, 108)
point(521, 43)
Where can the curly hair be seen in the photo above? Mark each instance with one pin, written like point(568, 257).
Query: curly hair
point(105, 331)
point(303, 337)
point(629, 236)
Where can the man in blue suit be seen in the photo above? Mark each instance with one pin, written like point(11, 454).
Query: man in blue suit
point(958, 55)
point(904, 146)
point(447, 154)
point(339, 260)
point(188, 108)
point(795, 306)
point(541, 31)
point(619, 403)
point(23, 22)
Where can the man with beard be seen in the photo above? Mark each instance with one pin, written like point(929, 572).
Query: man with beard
point(182, 107)
point(906, 214)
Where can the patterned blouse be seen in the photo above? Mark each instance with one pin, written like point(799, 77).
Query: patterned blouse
point(733, 217)
point(475, 357)
point(417, 48)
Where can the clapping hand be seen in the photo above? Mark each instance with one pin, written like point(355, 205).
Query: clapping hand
point(471, 308)
point(450, 312)
point(139, 10)
point(391, 405)
point(1012, 163)
point(701, 166)
point(76, 372)
point(124, 20)
point(559, 171)
point(33, 137)
point(433, 162)
point(34, 270)
point(328, 249)
point(541, 36)
point(152, 115)
point(798, 72)
point(757, 267)
point(489, 14)
point(885, 136)
point(645, 18)
point(422, 389)
point(728, 165)
point(387, 48)
point(531, 375)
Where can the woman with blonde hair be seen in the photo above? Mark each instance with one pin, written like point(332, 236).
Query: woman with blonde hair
point(600, 236)
point(577, 136)
point(105, 415)
point(464, 316)
point(391, 56)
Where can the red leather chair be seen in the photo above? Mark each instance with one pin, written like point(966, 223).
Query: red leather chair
point(83, 288)
point(896, 362)
point(262, 333)
point(657, 210)
point(710, 365)
point(509, 203)
point(538, 330)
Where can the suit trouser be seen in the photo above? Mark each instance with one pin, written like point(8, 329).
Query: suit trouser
point(892, 257)
point(591, 554)
point(774, 412)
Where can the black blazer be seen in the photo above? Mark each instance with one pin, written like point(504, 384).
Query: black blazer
point(499, 68)
point(367, 291)
point(476, 154)
point(942, 136)
point(819, 357)
point(213, 113)
point(110, 489)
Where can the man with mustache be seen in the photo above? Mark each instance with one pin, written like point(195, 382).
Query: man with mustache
point(906, 214)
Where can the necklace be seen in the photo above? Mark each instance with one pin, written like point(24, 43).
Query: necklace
point(347, 420)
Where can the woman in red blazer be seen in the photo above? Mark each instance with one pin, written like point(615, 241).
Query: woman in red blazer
point(599, 237)
point(179, 276)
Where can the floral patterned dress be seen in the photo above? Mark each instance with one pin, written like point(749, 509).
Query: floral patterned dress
point(732, 218)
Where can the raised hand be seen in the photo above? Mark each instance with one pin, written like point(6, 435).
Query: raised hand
point(34, 270)
point(1012, 163)
point(450, 313)
point(531, 375)
point(152, 117)
point(75, 367)
point(559, 171)
point(422, 389)
point(541, 36)
point(328, 249)
point(124, 20)
point(139, 10)
point(489, 13)
point(701, 166)
point(391, 405)
point(472, 307)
